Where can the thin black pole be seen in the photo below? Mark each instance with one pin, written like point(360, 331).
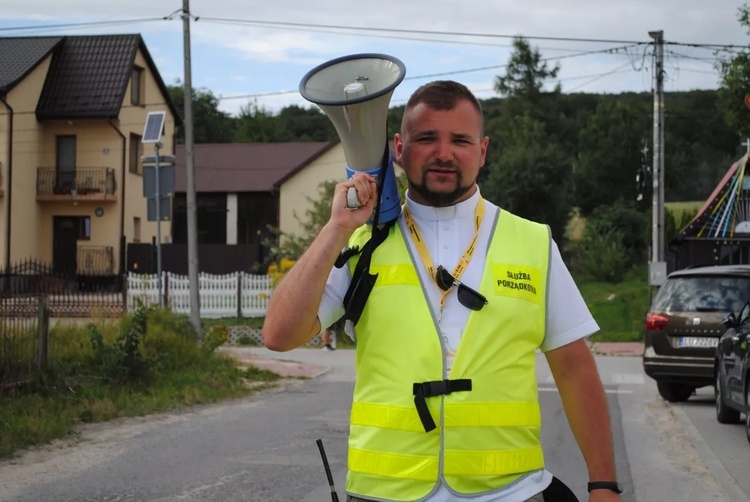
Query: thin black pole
point(334, 496)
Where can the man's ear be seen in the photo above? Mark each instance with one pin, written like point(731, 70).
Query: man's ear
point(398, 147)
point(485, 142)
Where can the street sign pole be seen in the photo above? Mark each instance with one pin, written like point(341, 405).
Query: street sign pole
point(158, 226)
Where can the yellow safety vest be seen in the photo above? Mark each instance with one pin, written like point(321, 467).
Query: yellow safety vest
point(486, 437)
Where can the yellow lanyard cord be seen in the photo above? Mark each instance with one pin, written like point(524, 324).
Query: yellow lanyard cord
point(424, 254)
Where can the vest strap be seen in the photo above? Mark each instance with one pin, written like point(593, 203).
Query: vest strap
point(432, 389)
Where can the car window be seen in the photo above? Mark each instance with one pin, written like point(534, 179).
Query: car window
point(744, 313)
point(703, 294)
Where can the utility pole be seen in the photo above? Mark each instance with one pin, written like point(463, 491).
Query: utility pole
point(192, 219)
point(658, 265)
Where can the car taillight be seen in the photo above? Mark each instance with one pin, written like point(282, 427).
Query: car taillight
point(656, 322)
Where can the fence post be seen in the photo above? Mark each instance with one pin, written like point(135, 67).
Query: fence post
point(43, 326)
point(239, 294)
point(166, 289)
point(125, 292)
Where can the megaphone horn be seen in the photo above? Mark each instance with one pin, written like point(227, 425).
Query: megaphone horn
point(354, 92)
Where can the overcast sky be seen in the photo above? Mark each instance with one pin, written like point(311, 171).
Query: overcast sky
point(232, 57)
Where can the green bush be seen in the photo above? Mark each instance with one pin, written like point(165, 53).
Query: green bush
point(600, 257)
point(613, 241)
point(150, 361)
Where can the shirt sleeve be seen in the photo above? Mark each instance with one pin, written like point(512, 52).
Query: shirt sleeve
point(568, 316)
point(332, 304)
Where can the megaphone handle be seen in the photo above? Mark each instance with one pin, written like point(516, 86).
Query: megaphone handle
point(352, 201)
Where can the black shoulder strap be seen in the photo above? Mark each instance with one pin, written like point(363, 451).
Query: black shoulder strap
point(362, 280)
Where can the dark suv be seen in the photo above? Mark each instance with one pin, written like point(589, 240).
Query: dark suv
point(732, 389)
point(684, 324)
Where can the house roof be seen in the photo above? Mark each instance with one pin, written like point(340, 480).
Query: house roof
point(19, 56)
point(88, 75)
point(245, 167)
point(724, 214)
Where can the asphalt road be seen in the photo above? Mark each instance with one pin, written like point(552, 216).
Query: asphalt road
point(262, 448)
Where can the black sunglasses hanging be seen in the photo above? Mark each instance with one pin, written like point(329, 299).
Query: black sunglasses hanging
point(468, 297)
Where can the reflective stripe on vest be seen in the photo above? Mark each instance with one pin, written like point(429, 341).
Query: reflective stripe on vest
point(487, 437)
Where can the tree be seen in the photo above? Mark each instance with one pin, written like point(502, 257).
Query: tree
point(528, 175)
point(210, 125)
point(609, 156)
point(258, 125)
point(735, 81)
point(526, 73)
point(614, 240)
point(306, 124)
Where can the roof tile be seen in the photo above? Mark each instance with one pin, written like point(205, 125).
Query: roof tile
point(89, 77)
point(18, 56)
point(244, 167)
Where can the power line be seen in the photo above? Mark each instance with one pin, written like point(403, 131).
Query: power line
point(390, 37)
point(619, 69)
point(82, 25)
point(709, 46)
point(420, 32)
point(611, 50)
point(257, 22)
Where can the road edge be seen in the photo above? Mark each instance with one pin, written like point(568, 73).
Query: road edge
point(726, 482)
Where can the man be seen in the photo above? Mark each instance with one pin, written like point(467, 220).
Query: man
point(326, 336)
point(445, 406)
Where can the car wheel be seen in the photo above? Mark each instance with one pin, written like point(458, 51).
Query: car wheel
point(747, 414)
point(724, 414)
point(675, 392)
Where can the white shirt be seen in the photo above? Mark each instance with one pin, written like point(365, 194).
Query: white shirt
point(446, 232)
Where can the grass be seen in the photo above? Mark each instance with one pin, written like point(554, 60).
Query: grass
point(619, 309)
point(678, 209)
point(253, 322)
point(95, 377)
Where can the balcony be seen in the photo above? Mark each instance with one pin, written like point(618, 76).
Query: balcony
point(95, 260)
point(95, 184)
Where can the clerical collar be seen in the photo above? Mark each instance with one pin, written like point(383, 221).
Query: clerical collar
point(464, 209)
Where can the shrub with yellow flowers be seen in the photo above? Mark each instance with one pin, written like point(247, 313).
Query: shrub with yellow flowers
point(217, 336)
point(277, 271)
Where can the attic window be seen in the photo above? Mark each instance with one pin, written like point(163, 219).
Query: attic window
point(136, 86)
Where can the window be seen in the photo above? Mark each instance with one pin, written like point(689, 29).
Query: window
point(744, 313)
point(136, 86)
point(703, 294)
point(84, 228)
point(136, 151)
point(136, 229)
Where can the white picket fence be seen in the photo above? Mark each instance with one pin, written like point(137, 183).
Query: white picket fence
point(231, 295)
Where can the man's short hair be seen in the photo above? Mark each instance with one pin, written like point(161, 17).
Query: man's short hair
point(443, 95)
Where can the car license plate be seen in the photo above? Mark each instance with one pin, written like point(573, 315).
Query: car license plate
point(698, 341)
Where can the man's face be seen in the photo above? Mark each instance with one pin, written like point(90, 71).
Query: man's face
point(441, 152)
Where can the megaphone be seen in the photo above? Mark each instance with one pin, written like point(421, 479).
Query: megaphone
point(354, 92)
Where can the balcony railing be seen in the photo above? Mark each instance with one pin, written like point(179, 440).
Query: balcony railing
point(95, 260)
point(94, 183)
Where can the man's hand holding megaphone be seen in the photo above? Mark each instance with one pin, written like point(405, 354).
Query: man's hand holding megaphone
point(367, 192)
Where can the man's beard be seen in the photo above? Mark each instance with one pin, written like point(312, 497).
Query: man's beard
point(440, 199)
